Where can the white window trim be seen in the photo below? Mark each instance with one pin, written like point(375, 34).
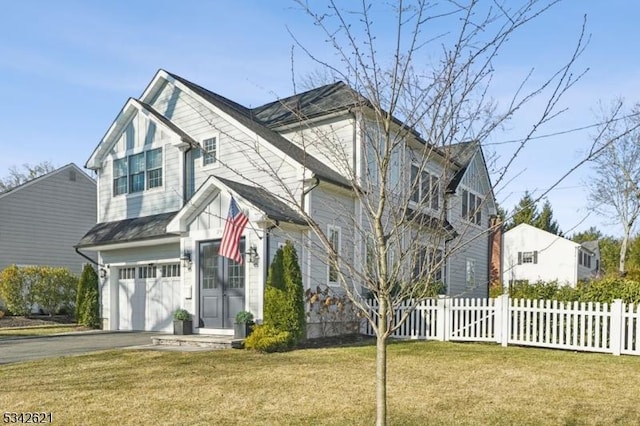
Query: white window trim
point(216, 163)
point(339, 250)
point(146, 190)
point(427, 204)
point(482, 203)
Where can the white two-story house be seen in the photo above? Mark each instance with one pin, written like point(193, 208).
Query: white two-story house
point(532, 254)
point(171, 161)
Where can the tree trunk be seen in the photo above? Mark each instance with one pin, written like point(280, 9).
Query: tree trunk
point(381, 364)
point(623, 251)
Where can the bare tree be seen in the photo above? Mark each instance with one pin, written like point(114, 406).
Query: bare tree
point(411, 109)
point(18, 176)
point(615, 190)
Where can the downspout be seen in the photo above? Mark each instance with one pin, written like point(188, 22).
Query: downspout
point(308, 190)
point(184, 174)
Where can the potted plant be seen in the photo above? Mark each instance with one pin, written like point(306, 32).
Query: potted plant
point(242, 327)
point(182, 323)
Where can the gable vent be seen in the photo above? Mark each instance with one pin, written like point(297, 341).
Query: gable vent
point(72, 175)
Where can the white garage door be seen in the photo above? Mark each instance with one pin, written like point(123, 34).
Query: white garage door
point(147, 297)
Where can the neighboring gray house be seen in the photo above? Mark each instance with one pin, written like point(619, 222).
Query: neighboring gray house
point(42, 220)
point(171, 160)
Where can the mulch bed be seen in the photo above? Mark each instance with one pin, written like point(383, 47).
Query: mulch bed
point(337, 341)
point(34, 320)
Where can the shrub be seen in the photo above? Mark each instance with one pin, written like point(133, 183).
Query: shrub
point(181, 315)
point(607, 289)
point(13, 291)
point(265, 338)
point(284, 298)
point(54, 289)
point(88, 302)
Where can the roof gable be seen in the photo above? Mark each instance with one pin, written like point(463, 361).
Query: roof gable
point(69, 167)
point(130, 110)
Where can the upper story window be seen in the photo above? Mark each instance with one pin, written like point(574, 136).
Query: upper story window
point(137, 172)
point(333, 235)
point(428, 260)
point(471, 207)
point(425, 188)
point(210, 151)
point(527, 257)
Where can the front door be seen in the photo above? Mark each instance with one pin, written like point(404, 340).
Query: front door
point(221, 287)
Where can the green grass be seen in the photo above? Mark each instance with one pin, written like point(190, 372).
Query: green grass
point(429, 383)
point(6, 333)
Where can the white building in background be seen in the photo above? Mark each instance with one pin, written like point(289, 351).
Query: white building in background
point(532, 254)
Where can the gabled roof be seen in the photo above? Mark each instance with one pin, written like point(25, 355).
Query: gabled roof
point(127, 230)
point(245, 117)
point(265, 201)
point(45, 176)
point(316, 102)
point(461, 153)
point(164, 120)
point(592, 246)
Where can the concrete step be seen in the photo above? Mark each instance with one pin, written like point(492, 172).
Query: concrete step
point(198, 340)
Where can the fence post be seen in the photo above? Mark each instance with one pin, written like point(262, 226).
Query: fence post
point(505, 317)
point(616, 330)
point(501, 315)
point(442, 315)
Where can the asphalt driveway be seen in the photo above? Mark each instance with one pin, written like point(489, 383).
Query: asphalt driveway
point(24, 349)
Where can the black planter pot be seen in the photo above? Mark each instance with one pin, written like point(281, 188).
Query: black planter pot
point(182, 327)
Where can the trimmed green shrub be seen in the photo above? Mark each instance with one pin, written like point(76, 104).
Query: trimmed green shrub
point(609, 288)
point(265, 338)
point(284, 295)
point(13, 292)
point(54, 289)
point(88, 299)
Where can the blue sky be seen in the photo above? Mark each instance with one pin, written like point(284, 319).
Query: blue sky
point(67, 67)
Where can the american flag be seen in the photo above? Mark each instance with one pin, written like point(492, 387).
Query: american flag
point(230, 244)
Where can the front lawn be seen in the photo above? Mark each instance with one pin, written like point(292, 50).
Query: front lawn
point(7, 333)
point(429, 383)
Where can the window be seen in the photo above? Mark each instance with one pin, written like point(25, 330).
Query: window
point(154, 168)
point(334, 240)
point(136, 172)
point(130, 174)
point(147, 272)
point(527, 257)
point(210, 148)
point(471, 207)
point(126, 273)
point(471, 272)
point(428, 261)
point(120, 176)
point(172, 270)
point(425, 188)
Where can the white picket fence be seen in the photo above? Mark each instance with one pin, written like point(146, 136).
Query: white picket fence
point(595, 327)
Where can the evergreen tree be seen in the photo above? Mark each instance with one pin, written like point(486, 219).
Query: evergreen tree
point(295, 292)
point(284, 299)
point(545, 220)
point(525, 211)
point(590, 234)
point(87, 299)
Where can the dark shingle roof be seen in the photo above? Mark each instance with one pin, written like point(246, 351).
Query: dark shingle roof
point(265, 201)
point(247, 119)
point(592, 246)
point(316, 102)
point(460, 153)
point(429, 221)
point(134, 229)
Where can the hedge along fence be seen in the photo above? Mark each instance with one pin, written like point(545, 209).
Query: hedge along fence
point(52, 289)
point(603, 290)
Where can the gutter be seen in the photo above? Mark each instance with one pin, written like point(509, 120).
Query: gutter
point(87, 257)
